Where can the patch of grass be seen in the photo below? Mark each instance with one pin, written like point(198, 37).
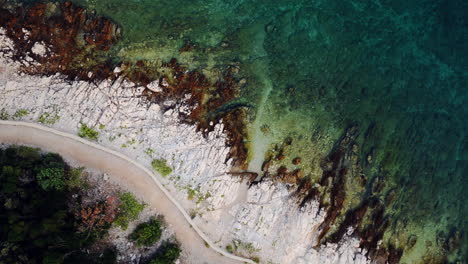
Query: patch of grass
point(161, 167)
point(146, 234)
point(202, 198)
point(20, 113)
point(4, 114)
point(101, 126)
point(149, 152)
point(191, 193)
point(193, 213)
point(129, 208)
point(87, 132)
point(249, 247)
point(229, 249)
point(256, 259)
point(74, 178)
point(48, 118)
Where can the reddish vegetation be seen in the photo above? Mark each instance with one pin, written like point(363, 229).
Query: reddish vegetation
point(336, 168)
point(293, 177)
point(70, 34)
point(98, 215)
point(236, 132)
point(78, 48)
point(75, 37)
point(250, 176)
point(188, 46)
point(337, 194)
point(282, 174)
point(207, 101)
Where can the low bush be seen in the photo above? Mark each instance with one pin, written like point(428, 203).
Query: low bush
point(4, 114)
point(47, 118)
point(75, 179)
point(20, 113)
point(160, 166)
point(129, 210)
point(38, 224)
point(167, 254)
point(146, 234)
point(87, 132)
point(230, 249)
point(51, 178)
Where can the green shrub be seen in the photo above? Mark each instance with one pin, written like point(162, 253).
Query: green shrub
point(47, 118)
point(4, 114)
point(129, 210)
point(74, 178)
point(20, 113)
point(9, 179)
point(41, 226)
point(191, 193)
point(146, 234)
point(51, 178)
point(230, 249)
point(161, 167)
point(87, 132)
point(167, 254)
point(149, 152)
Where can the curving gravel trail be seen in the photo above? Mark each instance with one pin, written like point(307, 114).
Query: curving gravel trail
point(133, 176)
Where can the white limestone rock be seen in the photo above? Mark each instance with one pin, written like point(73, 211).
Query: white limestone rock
point(265, 215)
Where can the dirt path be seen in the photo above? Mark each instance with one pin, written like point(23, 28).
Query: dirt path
point(130, 175)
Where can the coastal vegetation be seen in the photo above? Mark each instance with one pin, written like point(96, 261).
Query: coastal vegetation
point(161, 167)
point(37, 223)
point(20, 113)
point(129, 209)
point(168, 254)
point(88, 132)
point(148, 233)
point(245, 249)
point(51, 213)
point(48, 118)
point(51, 178)
point(4, 114)
point(382, 149)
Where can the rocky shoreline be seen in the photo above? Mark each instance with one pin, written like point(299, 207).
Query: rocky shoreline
point(223, 205)
point(57, 62)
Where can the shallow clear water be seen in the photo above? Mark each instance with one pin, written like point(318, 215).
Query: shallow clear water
point(396, 69)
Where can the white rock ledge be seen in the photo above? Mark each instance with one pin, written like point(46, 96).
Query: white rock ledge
point(263, 217)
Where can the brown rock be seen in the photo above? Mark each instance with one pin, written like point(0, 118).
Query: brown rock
point(296, 161)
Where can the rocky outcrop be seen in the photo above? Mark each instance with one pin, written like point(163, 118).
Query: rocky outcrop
point(163, 110)
point(76, 41)
point(344, 212)
point(262, 221)
point(77, 44)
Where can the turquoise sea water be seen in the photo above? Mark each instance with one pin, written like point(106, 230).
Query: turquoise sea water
point(396, 69)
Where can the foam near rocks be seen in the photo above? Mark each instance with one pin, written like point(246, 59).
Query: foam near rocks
point(265, 216)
